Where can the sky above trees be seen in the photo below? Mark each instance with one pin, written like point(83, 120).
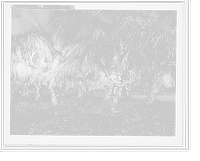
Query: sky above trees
point(26, 18)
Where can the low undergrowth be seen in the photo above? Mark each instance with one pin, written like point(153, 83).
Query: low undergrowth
point(92, 115)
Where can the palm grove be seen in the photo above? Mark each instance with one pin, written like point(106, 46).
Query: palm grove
point(121, 53)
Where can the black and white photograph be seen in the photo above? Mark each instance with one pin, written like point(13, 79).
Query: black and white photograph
point(95, 75)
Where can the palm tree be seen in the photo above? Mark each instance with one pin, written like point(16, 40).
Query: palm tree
point(83, 43)
point(31, 56)
point(154, 47)
point(121, 40)
point(32, 51)
point(109, 41)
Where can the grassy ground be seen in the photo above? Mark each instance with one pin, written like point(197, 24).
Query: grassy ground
point(92, 116)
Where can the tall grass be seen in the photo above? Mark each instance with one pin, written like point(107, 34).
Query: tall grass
point(90, 116)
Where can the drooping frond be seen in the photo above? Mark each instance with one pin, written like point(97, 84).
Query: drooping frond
point(74, 49)
point(167, 20)
point(132, 21)
point(66, 25)
point(129, 60)
point(97, 33)
point(129, 65)
point(73, 25)
point(159, 46)
point(72, 55)
point(100, 51)
point(32, 48)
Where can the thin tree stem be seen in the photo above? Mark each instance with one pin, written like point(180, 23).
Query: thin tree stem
point(142, 119)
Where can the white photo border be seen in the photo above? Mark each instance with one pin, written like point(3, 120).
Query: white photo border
point(20, 141)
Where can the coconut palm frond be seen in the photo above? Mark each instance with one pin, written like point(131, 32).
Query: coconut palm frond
point(130, 21)
point(61, 38)
point(152, 71)
point(153, 45)
point(97, 33)
point(99, 51)
point(60, 20)
point(125, 42)
point(129, 65)
point(84, 32)
point(161, 41)
point(75, 48)
point(129, 60)
point(58, 37)
point(72, 56)
point(163, 36)
point(88, 31)
point(106, 16)
point(32, 49)
point(147, 35)
point(70, 65)
point(167, 20)
point(66, 27)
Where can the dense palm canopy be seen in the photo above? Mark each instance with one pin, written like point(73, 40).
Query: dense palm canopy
point(95, 49)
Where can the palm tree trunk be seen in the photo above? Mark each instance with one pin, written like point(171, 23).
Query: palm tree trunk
point(25, 91)
point(53, 96)
point(65, 91)
point(37, 88)
point(53, 93)
point(114, 101)
point(78, 91)
point(108, 91)
point(153, 93)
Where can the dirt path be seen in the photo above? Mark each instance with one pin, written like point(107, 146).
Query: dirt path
point(168, 98)
point(160, 97)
